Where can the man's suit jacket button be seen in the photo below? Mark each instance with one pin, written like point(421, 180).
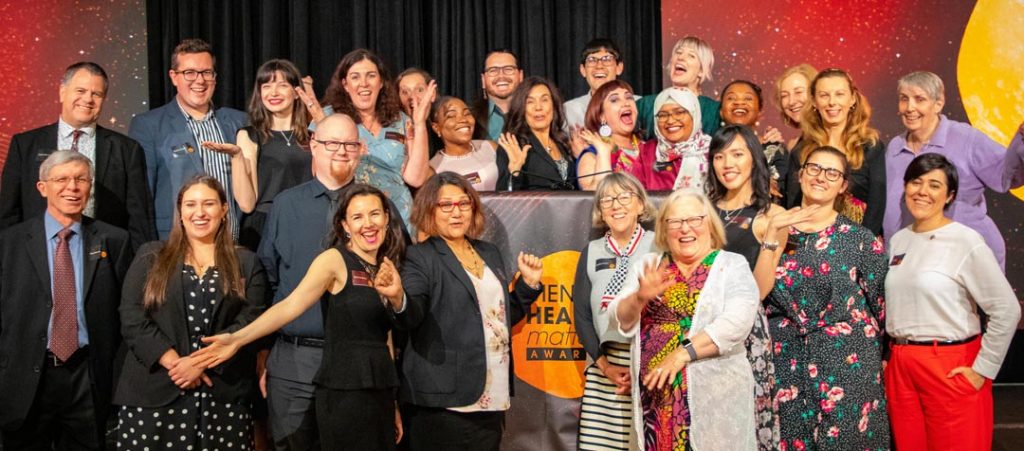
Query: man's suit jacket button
point(35, 369)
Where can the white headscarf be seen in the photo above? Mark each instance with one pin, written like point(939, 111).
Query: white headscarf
point(693, 150)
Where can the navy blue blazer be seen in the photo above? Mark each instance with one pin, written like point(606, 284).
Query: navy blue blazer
point(172, 153)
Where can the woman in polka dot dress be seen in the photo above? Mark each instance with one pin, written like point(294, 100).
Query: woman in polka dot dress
point(197, 283)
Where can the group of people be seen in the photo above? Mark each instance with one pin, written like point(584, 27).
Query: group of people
point(174, 278)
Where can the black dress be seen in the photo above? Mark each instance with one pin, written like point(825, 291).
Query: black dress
point(280, 164)
point(355, 387)
point(740, 239)
point(195, 420)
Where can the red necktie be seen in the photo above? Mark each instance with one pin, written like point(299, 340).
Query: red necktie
point(64, 335)
point(74, 136)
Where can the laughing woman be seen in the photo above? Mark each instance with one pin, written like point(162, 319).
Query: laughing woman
point(620, 204)
point(743, 104)
point(534, 150)
point(678, 156)
point(689, 67)
point(355, 401)
point(610, 129)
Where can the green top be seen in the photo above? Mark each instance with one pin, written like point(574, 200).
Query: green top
point(709, 118)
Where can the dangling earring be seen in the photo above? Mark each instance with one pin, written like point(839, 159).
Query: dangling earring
point(757, 124)
point(605, 130)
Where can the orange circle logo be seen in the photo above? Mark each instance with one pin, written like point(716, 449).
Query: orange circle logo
point(548, 353)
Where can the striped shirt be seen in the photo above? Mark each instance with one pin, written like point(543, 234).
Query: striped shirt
point(215, 163)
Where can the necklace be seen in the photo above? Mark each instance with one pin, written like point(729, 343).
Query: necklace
point(729, 215)
point(470, 260)
point(472, 149)
point(288, 137)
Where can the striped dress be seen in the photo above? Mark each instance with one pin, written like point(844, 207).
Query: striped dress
point(606, 418)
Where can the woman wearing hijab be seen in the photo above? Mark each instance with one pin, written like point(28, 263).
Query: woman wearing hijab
point(679, 152)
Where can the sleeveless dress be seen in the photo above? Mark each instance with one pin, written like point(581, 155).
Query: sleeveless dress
point(355, 386)
point(279, 166)
point(740, 239)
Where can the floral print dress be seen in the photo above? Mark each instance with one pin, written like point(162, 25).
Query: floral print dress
point(664, 325)
point(826, 314)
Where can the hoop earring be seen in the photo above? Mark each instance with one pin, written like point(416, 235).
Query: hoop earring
point(605, 130)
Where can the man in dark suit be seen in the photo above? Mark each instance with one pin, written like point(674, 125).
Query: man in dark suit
point(172, 135)
point(60, 288)
point(119, 195)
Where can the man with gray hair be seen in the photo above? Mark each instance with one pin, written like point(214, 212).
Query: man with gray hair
point(119, 195)
point(60, 288)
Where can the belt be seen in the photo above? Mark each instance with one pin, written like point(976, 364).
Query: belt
point(904, 341)
point(302, 341)
point(78, 356)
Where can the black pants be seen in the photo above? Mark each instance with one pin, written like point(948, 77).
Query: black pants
point(63, 413)
point(443, 429)
point(362, 420)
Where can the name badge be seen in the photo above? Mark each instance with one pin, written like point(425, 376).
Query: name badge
point(395, 136)
point(473, 178)
point(97, 252)
point(602, 264)
point(361, 279)
point(897, 259)
point(664, 166)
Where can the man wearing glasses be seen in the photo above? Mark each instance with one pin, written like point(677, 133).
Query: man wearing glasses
point(172, 135)
point(600, 63)
point(500, 77)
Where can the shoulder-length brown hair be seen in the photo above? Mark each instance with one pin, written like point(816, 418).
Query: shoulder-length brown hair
point(592, 118)
point(424, 207)
point(856, 136)
point(260, 116)
point(177, 249)
point(388, 107)
point(393, 246)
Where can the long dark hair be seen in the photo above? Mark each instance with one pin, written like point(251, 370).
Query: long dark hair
point(393, 246)
point(388, 107)
point(260, 117)
point(515, 120)
point(761, 199)
point(177, 249)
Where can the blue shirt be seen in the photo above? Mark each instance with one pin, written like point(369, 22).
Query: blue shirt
point(296, 232)
point(77, 257)
point(495, 121)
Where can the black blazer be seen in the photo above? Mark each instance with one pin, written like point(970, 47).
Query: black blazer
point(26, 304)
point(539, 172)
point(149, 334)
point(444, 360)
point(121, 191)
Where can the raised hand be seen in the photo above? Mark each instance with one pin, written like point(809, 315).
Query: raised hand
point(516, 154)
point(772, 135)
point(308, 98)
point(219, 349)
point(421, 104)
point(388, 283)
point(600, 144)
point(531, 268)
point(653, 282)
point(576, 142)
point(225, 148)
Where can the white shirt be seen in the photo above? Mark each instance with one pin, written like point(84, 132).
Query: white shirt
point(491, 295)
point(937, 280)
point(479, 166)
point(576, 111)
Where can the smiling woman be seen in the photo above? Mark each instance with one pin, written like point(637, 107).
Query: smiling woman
point(475, 160)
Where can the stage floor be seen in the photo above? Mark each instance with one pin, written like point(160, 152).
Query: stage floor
point(1009, 417)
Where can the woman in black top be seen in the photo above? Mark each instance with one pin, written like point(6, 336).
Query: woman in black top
point(272, 154)
point(197, 283)
point(355, 394)
point(533, 152)
point(738, 186)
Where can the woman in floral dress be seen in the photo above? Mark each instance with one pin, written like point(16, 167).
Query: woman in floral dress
point(826, 314)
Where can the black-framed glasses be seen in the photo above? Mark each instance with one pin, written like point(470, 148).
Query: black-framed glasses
point(193, 75)
point(831, 174)
point(624, 198)
point(607, 60)
point(677, 223)
point(676, 115)
point(64, 181)
point(448, 206)
point(493, 71)
point(334, 146)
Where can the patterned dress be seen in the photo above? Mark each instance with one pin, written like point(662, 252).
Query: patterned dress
point(826, 314)
point(382, 166)
point(663, 327)
point(196, 420)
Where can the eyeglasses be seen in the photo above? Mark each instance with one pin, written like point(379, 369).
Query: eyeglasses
point(676, 115)
point(63, 181)
point(192, 75)
point(624, 198)
point(607, 60)
point(677, 223)
point(831, 174)
point(334, 146)
point(449, 206)
point(493, 71)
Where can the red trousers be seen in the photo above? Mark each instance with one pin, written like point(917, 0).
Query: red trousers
point(929, 411)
